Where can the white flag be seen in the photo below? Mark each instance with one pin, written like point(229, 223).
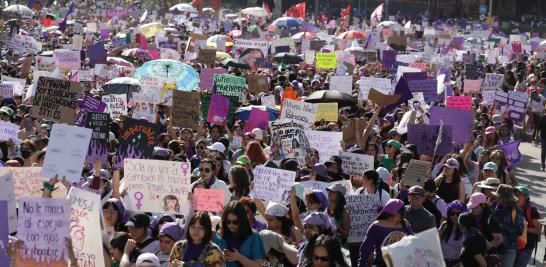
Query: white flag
point(377, 14)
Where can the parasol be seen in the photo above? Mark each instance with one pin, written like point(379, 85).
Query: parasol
point(185, 77)
point(327, 96)
point(255, 11)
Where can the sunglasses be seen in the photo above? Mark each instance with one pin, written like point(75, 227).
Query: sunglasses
point(234, 222)
point(319, 258)
point(205, 170)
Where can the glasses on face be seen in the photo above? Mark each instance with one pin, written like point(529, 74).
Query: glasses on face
point(233, 222)
point(320, 258)
point(205, 170)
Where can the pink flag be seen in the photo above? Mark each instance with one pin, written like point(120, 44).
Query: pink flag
point(257, 119)
point(143, 42)
point(377, 14)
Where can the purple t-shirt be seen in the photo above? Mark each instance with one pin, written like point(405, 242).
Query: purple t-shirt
point(377, 237)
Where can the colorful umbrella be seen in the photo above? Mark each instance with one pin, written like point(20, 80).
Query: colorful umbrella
point(213, 40)
point(151, 29)
point(300, 35)
point(255, 11)
point(287, 22)
point(350, 35)
point(137, 53)
point(119, 61)
point(185, 77)
point(235, 33)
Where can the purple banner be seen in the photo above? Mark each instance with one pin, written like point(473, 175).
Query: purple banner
point(410, 76)
point(428, 87)
point(388, 58)
point(402, 89)
point(512, 153)
point(461, 121)
point(424, 137)
point(89, 104)
point(4, 233)
point(97, 54)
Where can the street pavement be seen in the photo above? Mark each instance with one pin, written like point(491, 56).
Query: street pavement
point(529, 173)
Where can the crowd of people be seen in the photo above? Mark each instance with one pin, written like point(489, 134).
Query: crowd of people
point(483, 212)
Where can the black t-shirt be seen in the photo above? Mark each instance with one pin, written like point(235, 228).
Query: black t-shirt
point(532, 239)
point(489, 226)
point(472, 246)
point(431, 207)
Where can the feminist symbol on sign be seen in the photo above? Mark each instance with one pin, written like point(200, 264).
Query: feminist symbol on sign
point(138, 196)
point(185, 168)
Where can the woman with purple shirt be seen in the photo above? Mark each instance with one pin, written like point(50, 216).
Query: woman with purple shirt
point(389, 228)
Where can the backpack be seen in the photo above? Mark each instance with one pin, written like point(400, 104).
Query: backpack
point(522, 239)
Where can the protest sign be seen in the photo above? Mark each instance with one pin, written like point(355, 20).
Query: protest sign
point(9, 131)
point(229, 85)
point(428, 87)
point(23, 44)
point(416, 173)
point(356, 164)
point(311, 185)
point(185, 110)
point(422, 249)
point(511, 150)
point(403, 69)
point(85, 226)
point(67, 59)
point(55, 100)
point(472, 86)
point(99, 123)
point(86, 75)
point(62, 160)
point(282, 45)
point(514, 103)
point(4, 234)
point(268, 101)
point(21, 82)
point(327, 112)
point(136, 140)
point(461, 121)
point(143, 107)
point(6, 90)
point(414, 76)
point(27, 182)
point(97, 54)
point(424, 137)
point(382, 85)
point(207, 77)
point(207, 56)
point(328, 144)
point(343, 84)
point(459, 102)
point(252, 52)
point(325, 60)
point(89, 104)
point(157, 186)
point(208, 199)
point(492, 82)
point(218, 110)
point(7, 193)
point(44, 223)
point(288, 140)
point(388, 59)
point(302, 112)
point(257, 83)
point(116, 105)
point(257, 119)
point(272, 184)
point(417, 101)
point(363, 210)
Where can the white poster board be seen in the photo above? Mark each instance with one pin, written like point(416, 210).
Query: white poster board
point(272, 184)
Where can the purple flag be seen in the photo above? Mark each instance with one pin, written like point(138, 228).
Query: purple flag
point(257, 119)
point(512, 153)
point(218, 110)
point(388, 58)
point(89, 104)
point(97, 54)
point(461, 121)
point(62, 25)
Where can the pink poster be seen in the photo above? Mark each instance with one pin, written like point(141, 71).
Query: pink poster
point(459, 102)
point(257, 119)
point(218, 110)
point(207, 77)
point(472, 86)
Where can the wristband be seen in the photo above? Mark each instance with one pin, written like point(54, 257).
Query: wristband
point(48, 187)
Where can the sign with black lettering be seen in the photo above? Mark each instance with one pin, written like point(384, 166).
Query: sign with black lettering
point(56, 100)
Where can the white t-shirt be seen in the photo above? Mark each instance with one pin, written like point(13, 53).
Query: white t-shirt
point(440, 205)
point(537, 106)
point(383, 196)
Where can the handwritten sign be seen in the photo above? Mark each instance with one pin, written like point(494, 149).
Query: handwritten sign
point(22, 44)
point(84, 226)
point(382, 85)
point(492, 82)
point(301, 112)
point(424, 136)
point(116, 105)
point(268, 101)
point(422, 249)
point(514, 103)
point(6, 90)
point(472, 86)
point(258, 118)
point(328, 144)
point(185, 112)
point(136, 140)
point(326, 61)
point(288, 139)
point(355, 164)
point(209, 199)
point(55, 100)
point(229, 85)
point(461, 121)
point(89, 104)
point(343, 84)
point(459, 102)
point(27, 182)
point(416, 173)
point(327, 112)
point(157, 186)
point(9, 131)
point(7, 193)
point(99, 123)
point(66, 160)
point(44, 223)
point(363, 210)
point(272, 184)
point(67, 59)
point(207, 77)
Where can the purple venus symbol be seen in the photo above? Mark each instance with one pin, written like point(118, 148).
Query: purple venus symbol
point(138, 196)
point(185, 168)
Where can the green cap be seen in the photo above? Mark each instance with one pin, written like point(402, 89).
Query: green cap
point(7, 111)
point(395, 144)
point(243, 160)
point(523, 189)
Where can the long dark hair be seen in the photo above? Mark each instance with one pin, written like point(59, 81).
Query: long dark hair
point(339, 209)
point(241, 182)
point(204, 220)
point(331, 244)
point(238, 209)
point(286, 225)
point(385, 216)
point(449, 228)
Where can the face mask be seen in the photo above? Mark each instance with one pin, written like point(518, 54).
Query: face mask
point(26, 153)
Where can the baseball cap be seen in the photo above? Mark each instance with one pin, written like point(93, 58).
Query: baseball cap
point(490, 166)
point(475, 200)
point(172, 230)
point(243, 160)
point(416, 190)
point(250, 135)
point(337, 188)
point(6, 110)
point(490, 130)
point(395, 144)
point(523, 189)
point(393, 206)
point(217, 147)
point(138, 220)
point(452, 163)
point(147, 260)
point(259, 133)
point(276, 209)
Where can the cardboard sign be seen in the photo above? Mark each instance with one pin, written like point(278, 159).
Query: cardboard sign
point(89, 104)
point(55, 100)
point(272, 184)
point(288, 140)
point(116, 105)
point(327, 112)
point(427, 87)
point(229, 85)
point(207, 77)
point(84, 226)
point(328, 144)
point(459, 102)
point(207, 56)
point(343, 84)
point(363, 210)
point(66, 152)
point(424, 136)
point(398, 42)
point(301, 112)
point(157, 186)
point(461, 121)
point(382, 85)
point(416, 173)
point(185, 113)
point(23, 44)
point(67, 59)
point(136, 140)
point(44, 223)
point(422, 249)
point(99, 123)
point(326, 61)
point(7, 193)
point(209, 199)
point(355, 164)
point(492, 82)
point(257, 83)
point(382, 99)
